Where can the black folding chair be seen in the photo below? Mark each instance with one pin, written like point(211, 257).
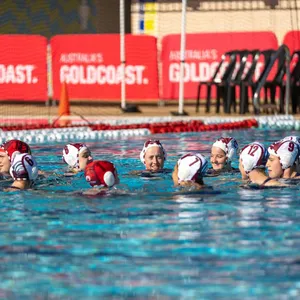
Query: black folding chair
point(295, 81)
point(277, 81)
point(294, 84)
point(247, 76)
point(236, 79)
point(224, 69)
point(249, 80)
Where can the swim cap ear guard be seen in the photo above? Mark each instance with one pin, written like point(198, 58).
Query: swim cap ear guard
point(101, 173)
point(71, 154)
point(191, 167)
point(24, 167)
point(254, 156)
point(287, 152)
point(229, 145)
point(151, 143)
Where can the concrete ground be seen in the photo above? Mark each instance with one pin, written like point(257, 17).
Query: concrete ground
point(92, 110)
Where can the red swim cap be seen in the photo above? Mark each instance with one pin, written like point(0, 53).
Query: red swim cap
point(101, 173)
point(13, 146)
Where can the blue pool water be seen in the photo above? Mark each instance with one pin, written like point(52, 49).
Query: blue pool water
point(146, 240)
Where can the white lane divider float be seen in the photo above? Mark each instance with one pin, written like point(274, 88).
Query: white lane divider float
point(84, 133)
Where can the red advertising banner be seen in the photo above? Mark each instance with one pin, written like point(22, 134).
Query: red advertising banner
point(202, 56)
point(23, 67)
point(292, 40)
point(90, 65)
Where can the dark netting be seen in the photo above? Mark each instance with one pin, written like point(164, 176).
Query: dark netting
point(52, 17)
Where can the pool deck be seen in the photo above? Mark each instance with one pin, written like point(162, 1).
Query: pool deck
point(102, 111)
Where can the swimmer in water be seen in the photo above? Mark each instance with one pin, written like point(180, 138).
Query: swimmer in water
point(16, 160)
point(76, 156)
point(253, 159)
point(282, 160)
point(295, 139)
point(10, 147)
point(153, 156)
point(189, 171)
point(101, 175)
point(223, 152)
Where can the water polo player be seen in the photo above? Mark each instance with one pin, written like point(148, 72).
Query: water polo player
point(76, 156)
point(282, 160)
point(153, 156)
point(101, 175)
point(224, 150)
point(253, 159)
point(189, 170)
point(16, 160)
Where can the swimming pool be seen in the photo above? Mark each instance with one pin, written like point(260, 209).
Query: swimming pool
point(150, 242)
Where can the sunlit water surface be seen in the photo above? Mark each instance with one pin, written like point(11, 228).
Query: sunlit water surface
point(146, 240)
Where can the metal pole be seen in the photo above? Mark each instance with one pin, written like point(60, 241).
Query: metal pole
point(122, 54)
point(182, 58)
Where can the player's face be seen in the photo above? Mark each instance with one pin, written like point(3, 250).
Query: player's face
point(274, 167)
point(154, 159)
point(218, 158)
point(4, 163)
point(84, 158)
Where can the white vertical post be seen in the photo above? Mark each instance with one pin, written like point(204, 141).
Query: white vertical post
point(122, 54)
point(182, 58)
point(50, 82)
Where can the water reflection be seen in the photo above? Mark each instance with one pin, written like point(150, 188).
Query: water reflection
point(151, 241)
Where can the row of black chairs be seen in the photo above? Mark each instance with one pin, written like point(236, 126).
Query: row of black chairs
point(237, 70)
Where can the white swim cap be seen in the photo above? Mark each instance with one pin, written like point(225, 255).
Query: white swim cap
point(287, 151)
point(254, 156)
point(190, 166)
point(71, 154)
point(151, 143)
point(294, 138)
point(229, 145)
point(24, 167)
